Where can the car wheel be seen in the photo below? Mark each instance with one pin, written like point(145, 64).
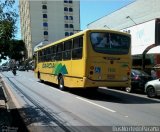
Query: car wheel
point(151, 92)
point(61, 83)
point(128, 89)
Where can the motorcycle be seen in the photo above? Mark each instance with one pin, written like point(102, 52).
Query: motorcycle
point(14, 72)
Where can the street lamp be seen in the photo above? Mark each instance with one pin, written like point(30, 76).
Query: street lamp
point(106, 26)
point(128, 17)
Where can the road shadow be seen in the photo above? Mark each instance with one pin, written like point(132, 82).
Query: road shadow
point(40, 120)
point(113, 96)
point(109, 95)
point(11, 121)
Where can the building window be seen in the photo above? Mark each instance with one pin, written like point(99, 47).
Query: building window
point(71, 25)
point(65, 9)
point(65, 1)
point(44, 15)
point(66, 34)
point(70, 17)
point(45, 24)
point(66, 25)
point(71, 33)
point(70, 1)
point(70, 9)
point(65, 17)
point(44, 7)
point(45, 33)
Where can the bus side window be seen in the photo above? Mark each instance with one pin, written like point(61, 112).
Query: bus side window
point(43, 55)
point(47, 53)
point(53, 54)
point(77, 48)
point(40, 56)
point(67, 50)
point(59, 52)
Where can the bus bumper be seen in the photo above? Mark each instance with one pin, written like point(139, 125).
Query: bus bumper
point(106, 83)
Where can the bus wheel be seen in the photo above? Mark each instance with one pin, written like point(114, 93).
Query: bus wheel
point(39, 77)
point(61, 83)
point(128, 89)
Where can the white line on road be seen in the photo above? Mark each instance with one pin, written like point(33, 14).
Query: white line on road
point(96, 104)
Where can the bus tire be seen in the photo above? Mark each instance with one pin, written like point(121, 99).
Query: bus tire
point(39, 77)
point(128, 89)
point(61, 83)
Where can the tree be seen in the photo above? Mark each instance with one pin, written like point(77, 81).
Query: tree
point(8, 18)
point(17, 50)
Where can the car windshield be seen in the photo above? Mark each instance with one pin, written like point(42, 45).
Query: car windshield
point(138, 72)
point(110, 43)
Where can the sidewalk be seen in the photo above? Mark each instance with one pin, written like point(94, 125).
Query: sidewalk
point(4, 114)
point(2, 97)
point(10, 119)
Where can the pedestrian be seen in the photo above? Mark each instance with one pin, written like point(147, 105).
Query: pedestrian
point(153, 74)
point(27, 68)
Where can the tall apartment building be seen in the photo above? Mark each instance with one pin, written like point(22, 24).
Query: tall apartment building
point(47, 21)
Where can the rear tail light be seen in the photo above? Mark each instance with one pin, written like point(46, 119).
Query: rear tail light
point(137, 78)
point(128, 73)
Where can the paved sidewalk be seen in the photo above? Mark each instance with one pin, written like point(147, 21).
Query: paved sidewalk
point(10, 119)
point(4, 115)
point(2, 97)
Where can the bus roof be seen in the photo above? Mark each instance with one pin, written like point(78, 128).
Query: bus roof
point(78, 34)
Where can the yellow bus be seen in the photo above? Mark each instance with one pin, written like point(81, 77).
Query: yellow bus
point(88, 59)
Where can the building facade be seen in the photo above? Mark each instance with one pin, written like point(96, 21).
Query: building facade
point(47, 21)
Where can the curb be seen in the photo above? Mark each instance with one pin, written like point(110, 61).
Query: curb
point(3, 95)
point(10, 107)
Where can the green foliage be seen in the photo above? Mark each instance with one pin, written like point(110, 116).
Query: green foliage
point(17, 49)
point(8, 18)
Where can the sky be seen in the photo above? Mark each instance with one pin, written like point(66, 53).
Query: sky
point(90, 10)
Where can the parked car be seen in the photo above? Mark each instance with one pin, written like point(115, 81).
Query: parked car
point(5, 68)
point(138, 80)
point(152, 88)
point(22, 68)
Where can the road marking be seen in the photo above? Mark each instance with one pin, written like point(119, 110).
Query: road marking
point(56, 89)
point(96, 104)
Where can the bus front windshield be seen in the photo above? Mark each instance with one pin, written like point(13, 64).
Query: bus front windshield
point(110, 43)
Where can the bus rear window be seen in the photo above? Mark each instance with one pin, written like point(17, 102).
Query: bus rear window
point(110, 43)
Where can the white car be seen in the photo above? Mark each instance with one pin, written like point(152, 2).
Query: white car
point(152, 88)
point(5, 68)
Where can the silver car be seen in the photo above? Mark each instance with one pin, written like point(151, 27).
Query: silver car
point(152, 88)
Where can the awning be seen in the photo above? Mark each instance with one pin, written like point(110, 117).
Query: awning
point(154, 50)
point(136, 50)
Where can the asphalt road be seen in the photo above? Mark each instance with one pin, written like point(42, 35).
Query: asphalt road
point(45, 108)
